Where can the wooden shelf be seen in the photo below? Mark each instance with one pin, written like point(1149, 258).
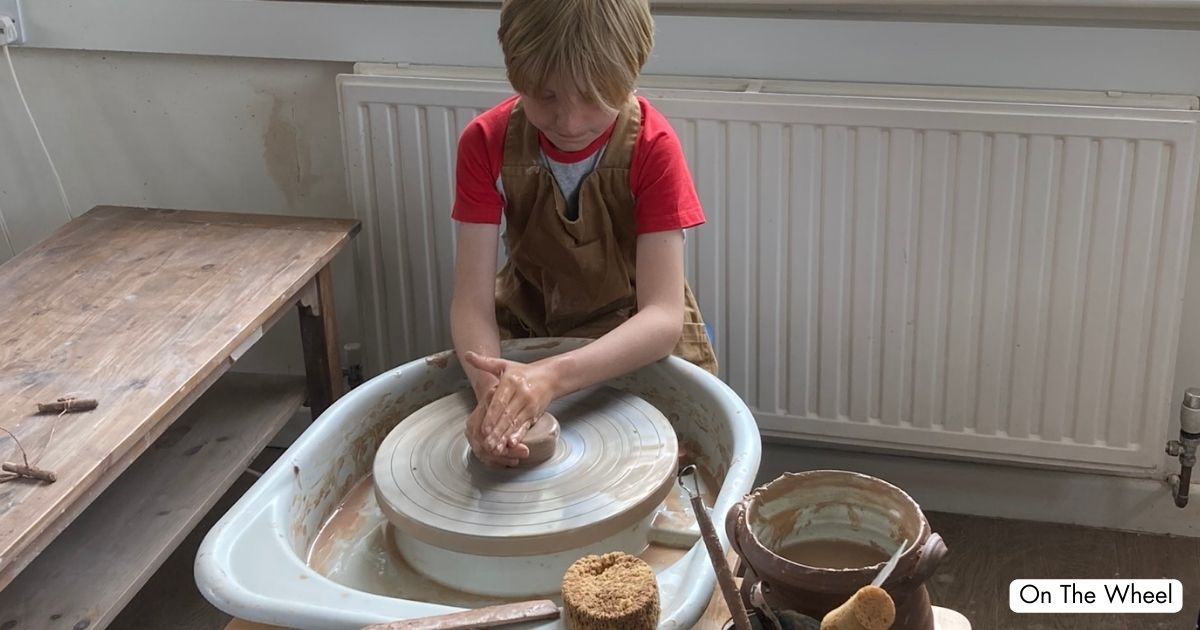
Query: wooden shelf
point(85, 577)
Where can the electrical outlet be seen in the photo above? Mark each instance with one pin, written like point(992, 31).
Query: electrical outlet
point(12, 9)
point(8, 30)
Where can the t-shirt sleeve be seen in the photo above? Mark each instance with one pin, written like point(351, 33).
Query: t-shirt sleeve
point(665, 196)
point(476, 199)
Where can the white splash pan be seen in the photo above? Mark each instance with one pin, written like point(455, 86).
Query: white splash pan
point(251, 565)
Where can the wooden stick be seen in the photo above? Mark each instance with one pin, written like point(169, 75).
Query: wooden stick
point(708, 533)
point(489, 617)
point(68, 405)
point(32, 472)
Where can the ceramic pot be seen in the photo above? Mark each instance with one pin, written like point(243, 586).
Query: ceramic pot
point(834, 510)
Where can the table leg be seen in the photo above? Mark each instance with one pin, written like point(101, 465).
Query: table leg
point(318, 332)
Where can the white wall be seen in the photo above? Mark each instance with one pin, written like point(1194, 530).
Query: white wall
point(171, 131)
point(1057, 55)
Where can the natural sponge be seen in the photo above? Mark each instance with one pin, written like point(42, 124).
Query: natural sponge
point(871, 608)
point(615, 591)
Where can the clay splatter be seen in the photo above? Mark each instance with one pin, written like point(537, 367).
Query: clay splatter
point(440, 360)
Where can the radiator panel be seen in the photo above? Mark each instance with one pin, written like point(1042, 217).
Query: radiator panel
point(977, 279)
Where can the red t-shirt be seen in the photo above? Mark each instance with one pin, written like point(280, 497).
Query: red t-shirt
point(664, 196)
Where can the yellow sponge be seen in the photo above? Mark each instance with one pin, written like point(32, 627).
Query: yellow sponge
point(615, 591)
point(871, 608)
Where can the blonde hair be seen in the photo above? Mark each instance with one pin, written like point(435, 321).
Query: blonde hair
point(599, 45)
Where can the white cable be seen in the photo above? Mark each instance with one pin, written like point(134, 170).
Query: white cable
point(4, 228)
point(61, 191)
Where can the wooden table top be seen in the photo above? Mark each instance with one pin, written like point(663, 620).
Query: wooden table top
point(142, 310)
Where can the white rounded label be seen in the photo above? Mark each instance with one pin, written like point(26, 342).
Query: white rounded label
point(1095, 596)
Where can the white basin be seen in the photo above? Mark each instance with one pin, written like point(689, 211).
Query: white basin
point(252, 564)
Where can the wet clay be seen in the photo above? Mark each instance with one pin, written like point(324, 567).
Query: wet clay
point(832, 554)
point(354, 549)
point(541, 439)
point(349, 515)
point(317, 499)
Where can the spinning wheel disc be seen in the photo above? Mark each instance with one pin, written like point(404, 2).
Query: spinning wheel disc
point(614, 463)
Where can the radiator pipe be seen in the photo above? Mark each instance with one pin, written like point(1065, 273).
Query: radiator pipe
point(1185, 446)
point(1180, 484)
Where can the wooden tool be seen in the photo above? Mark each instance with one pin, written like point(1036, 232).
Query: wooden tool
point(29, 472)
point(489, 617)
point(724, 577)
point(68, 405)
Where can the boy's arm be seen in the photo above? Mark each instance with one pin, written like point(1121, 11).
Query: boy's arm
point(473, 306)
point(473, 327)
point(525, 390)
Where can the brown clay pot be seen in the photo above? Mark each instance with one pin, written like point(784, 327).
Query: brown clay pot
point(844, 507)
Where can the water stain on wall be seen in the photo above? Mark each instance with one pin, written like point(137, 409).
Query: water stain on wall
point(286, 151)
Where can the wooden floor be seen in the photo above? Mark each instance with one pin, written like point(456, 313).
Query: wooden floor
point(985, 555)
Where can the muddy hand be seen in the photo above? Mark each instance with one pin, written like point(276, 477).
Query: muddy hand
point(521, 397)
point(510, 457)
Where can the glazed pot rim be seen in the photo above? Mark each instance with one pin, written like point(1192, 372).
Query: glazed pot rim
point(832, 579)
point(833, 473)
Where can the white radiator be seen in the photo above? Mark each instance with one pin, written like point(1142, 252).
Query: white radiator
point(976, 277)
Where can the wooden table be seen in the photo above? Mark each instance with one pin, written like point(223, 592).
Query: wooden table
point(144, 310)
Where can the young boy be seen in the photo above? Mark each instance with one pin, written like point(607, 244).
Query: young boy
point(596, 193)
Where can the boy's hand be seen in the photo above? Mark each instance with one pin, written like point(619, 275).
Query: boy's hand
point(520, 398)
point(510, 457)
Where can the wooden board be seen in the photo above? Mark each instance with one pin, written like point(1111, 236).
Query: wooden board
point(141, 309)
point(170, 599)
point(95, 567)
point(238, 624)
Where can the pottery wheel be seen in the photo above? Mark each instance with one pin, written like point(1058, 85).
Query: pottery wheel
point(614, 464)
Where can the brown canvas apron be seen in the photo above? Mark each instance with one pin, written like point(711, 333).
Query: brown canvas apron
point(576, 278)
